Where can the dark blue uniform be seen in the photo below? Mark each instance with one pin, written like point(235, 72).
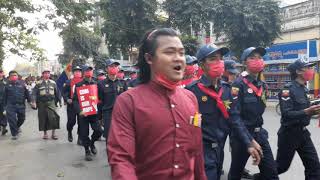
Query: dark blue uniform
point(293, 135)
point(251, 108)
point(15, 95)
point(72, 116)
point(3, 118)
point(133, 83)
point(84, 121)
point(108, 92)
point(215, 127)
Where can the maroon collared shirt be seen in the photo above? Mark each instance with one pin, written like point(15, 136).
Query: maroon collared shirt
point(151, 137)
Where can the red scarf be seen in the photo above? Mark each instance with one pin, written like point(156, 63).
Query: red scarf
point(73, 82)
point(257, 91)
point(216, 97)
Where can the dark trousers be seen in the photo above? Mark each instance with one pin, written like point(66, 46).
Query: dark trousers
point(3, 118)
point(240, 155)
point(73, 118)
point(291, 141)
point(213, 154)
point(16, 114)
point(84, 123)
point(107, 122)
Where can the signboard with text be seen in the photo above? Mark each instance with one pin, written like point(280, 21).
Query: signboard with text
point(88, 99)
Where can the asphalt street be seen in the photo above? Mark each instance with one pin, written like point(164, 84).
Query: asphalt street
point(32, 158)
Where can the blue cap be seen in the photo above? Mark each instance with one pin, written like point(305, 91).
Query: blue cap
point(111, 61)
point(87, 68)
point(208, 50)
point(76, 68)
point(247, 52)
point(299, 64)
point(231, 66)
point(100, 72)
point(191, 60)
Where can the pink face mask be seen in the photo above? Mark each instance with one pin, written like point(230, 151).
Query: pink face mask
point(190, 70)
point(77, 74)
point(88, 74)
point(46, 76)
point(164, 81)
point(216, 69)
point(101, 77)
point(13, 78)
point(308, 74)
point(120, 75)
point(255, 65)
point(134, 76)
point(113, 70)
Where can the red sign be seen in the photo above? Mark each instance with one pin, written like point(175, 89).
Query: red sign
point(88, 99)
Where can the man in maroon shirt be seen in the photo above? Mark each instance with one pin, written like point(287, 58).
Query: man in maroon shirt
point(155, 128)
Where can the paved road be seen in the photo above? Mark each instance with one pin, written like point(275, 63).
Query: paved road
point(31, 158)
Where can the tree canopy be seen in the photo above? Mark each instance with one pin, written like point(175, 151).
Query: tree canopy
point(15, 35)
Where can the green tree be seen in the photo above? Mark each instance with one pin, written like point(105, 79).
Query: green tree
point(190, 44)
point(126, 21)
point(15, 36)
point(246, 23)
point(188, 16)
point(79, 41)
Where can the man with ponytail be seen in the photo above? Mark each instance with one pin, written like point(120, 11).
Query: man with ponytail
point(155, 131)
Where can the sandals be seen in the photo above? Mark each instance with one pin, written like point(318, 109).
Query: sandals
point(54, 137)
point(45, 137)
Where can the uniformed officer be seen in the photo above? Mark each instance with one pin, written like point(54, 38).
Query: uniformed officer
point(15, 94)
point(3, 118)
point(189, 72)
point(109, 89)
point(101, 75)
point(296, 111)
point(250, 93)
point(134, 80)
point(218, 111)
point(68, 92)
point(229, 76)
point(47, 97)
point(85, 120)
point(120, 75)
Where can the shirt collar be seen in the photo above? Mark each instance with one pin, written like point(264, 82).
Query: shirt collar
point(207, 83)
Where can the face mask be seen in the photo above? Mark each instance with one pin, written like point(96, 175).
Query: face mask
point(13, 78)
point(88, 74)
point(216, 69)
point(134, 76)
point(308, 74)
point(102, 77)
point(165, 82)
point(255, 66)
point(1, 75)
point(190, 70)
point(77, 74)
point(46, 76)
point(120, 75)
point(113, 70)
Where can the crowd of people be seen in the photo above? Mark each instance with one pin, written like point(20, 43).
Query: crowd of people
point(171, 119)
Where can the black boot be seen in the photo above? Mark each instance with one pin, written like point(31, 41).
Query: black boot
point(93, 149)
point(88, 155)
point(70, 138)
point(247, 175)
point(4, 131)
point(79, 142)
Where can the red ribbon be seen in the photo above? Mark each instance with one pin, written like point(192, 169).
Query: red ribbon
point(216, 97)
point(257, 91)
